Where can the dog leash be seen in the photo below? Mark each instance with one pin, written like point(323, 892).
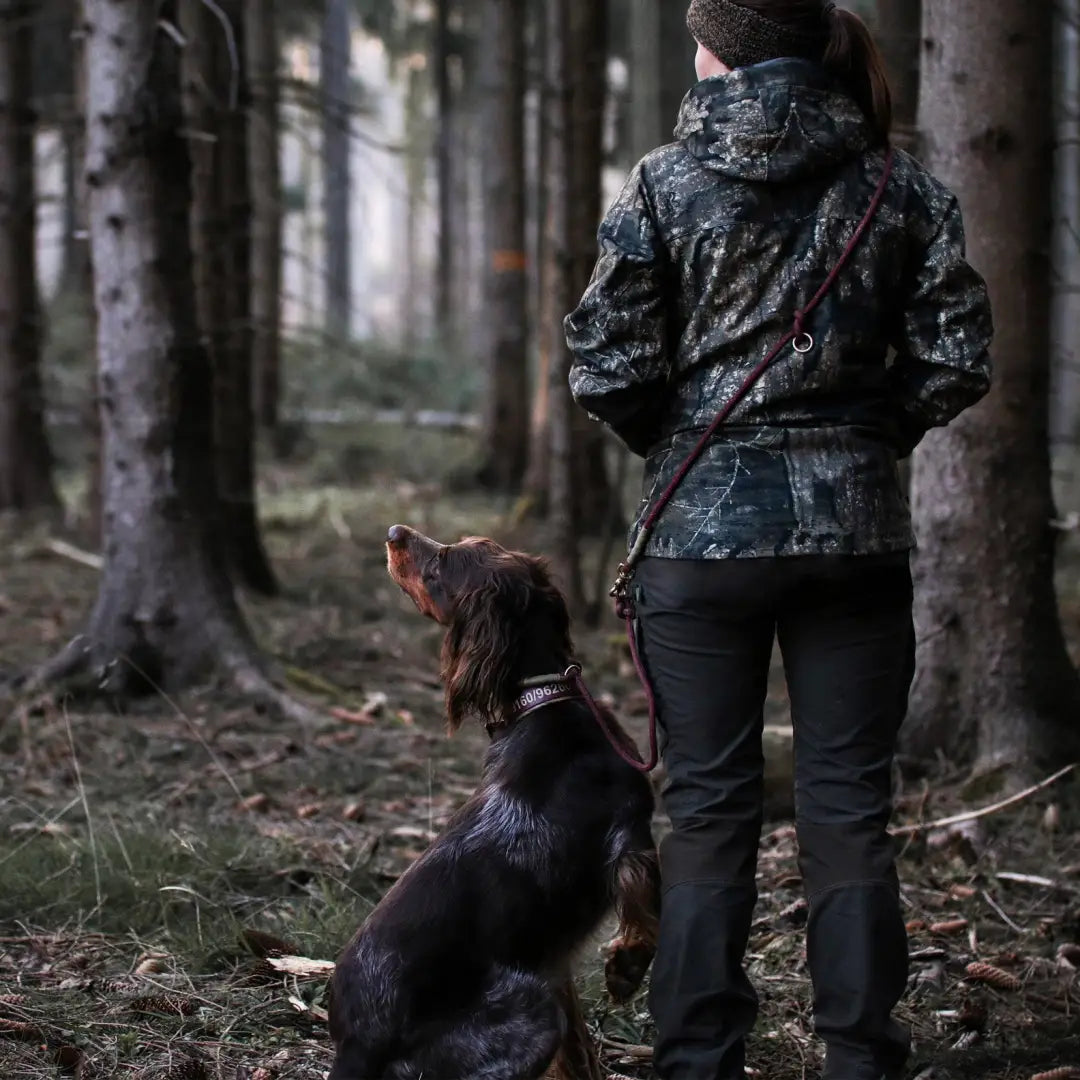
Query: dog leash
point(543, 690)
point(802, 342)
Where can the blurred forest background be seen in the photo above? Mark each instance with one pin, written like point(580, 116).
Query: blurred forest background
point(277, 275)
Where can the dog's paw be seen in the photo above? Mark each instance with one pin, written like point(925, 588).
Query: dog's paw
point(625, 967)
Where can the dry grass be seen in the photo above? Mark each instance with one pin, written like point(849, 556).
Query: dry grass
point(141, 890)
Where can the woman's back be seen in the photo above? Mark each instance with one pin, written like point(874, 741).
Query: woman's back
point(714, 244)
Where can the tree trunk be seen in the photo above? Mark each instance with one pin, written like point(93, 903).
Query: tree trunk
point(91, 412)
point(444, 271)
point(25, 458)
point(591, 488)
point(677, 76)
point(1065, 393)
point(334, 66)
point(898, 25)
point(416, 167)
point(165, 610)
point(994, 675)
point(558, 165)
point(221, 238)
point(504, 325)
point(261, 38)
point(542, 269)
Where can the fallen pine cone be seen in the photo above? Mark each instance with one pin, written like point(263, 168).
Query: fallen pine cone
point(1067, 1072)
point(17, 1029)
point(993, 976)
point(949, 926)
point(186, 1070)
point(166, 1004)
point(8, 1001)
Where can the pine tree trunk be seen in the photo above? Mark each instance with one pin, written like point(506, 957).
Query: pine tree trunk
point(538, 470)
point(593, 496)
point(217, 99)
point(994, 677)
point(261, 36)
point(165, 610)
point(416, 166)
point(91, 410)
point(444, 269)
point(897, 29)
point(334, 67)
point(559, 168)
point(677, 76)
point(1065, 392)
point(504, 325)
point(25, 458)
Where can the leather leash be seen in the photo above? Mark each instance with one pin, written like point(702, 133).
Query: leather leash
point(802, 342)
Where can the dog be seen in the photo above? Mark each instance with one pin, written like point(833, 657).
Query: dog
point(464, 969)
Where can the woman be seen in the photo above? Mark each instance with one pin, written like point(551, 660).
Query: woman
point(793, 523)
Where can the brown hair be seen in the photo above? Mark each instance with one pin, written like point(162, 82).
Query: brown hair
point(851, 55)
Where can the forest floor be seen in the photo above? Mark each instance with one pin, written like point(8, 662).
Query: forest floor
point(153, 863)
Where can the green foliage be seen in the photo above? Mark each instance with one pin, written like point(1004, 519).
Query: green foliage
point(378, 375)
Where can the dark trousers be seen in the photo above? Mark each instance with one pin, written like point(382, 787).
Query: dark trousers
point(844, 624)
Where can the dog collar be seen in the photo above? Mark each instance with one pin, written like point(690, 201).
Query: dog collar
point(544, 690)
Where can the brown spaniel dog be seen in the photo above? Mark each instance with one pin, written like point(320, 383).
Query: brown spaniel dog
point(463, 970)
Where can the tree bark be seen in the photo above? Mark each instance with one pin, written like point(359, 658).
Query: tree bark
point(1065, 392)
point(994, 677)
point(587, 74)
point(537, 472)
point(898, 25)
point(92, 511)
point(444, 270)
point(165, 611)
point(558, 165)
point(25, 457)
point(261, 39)
point(334, 66)
point(221, 213)
point(677, 76)
point(505, 325)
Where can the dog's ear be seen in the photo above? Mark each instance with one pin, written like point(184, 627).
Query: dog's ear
point(548, 601)
point(482, 647)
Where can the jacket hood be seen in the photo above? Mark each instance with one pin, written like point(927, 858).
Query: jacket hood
point(778, 121)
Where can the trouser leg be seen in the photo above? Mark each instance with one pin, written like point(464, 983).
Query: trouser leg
point(845, 630)
point(707, 633)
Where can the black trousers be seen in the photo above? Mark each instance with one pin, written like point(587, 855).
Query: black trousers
point(844, 624)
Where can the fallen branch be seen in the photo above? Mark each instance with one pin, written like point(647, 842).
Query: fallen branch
point(986, 811)
point(76, 555)
point(1035, 880)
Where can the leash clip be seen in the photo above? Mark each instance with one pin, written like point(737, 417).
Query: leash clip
point(620, 591)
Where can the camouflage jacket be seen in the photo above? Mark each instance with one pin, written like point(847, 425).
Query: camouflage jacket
point(714, 243)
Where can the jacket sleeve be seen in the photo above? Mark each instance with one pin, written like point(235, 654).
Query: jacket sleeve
point(943, 363)
point(618, 334)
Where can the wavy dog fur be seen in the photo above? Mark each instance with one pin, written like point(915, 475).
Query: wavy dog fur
point(463, 970)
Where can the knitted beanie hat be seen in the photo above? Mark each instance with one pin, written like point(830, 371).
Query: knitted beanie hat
point(741, 37)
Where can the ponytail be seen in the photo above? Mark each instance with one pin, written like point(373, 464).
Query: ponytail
point(854, 58)
point(851, 55)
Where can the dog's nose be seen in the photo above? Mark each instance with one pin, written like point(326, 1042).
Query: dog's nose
point(397, 534)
